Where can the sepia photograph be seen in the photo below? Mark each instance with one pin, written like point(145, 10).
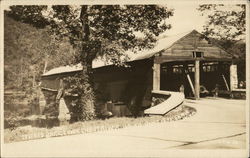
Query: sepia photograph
point(124, 78)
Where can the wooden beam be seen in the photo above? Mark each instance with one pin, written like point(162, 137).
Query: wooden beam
point(156, 76)
point(191, 83)
point(170, 58)
point(185, 65)
point(225, 81)
point(197, 79)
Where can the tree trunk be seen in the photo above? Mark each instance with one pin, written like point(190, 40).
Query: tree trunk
point(87, 97)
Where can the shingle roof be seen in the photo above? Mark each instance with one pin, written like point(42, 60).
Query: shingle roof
point(163, 43)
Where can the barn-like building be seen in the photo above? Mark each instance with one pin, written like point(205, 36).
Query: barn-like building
point(184, 62)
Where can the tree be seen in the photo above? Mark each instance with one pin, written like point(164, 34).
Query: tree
point(226, 25)
point(225, 22)
point(106, 31)
point(29, 14)
point(26, 50)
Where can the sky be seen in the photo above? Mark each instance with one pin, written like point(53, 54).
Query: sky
point(186, 17)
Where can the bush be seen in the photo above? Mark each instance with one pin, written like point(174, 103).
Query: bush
point(178, 113)
point(11, 120)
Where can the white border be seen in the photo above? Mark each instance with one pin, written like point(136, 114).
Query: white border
point(247, 72)
point(171, 153)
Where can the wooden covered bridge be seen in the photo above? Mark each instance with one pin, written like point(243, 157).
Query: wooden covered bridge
point(185, 62)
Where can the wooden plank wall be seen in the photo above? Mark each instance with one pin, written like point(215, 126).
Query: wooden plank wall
point(184, 47)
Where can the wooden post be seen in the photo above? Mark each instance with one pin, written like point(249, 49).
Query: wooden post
point(197, 79)
point(156, 76)
point(233, 77)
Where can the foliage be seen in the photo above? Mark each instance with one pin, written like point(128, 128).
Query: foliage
point(11, 119)
point(238, 49)
point(27, 133)
point(106, 31)
point(225, 22)
point(226, 25)
point(26, 51)
point(112, 29)
point(75, 85)
point(22, 14)
point(12, 123)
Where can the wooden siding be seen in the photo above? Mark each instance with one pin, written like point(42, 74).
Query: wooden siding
point(183, 48)
point(109, 74)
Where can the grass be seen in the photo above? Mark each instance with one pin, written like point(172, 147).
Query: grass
point(28, 132)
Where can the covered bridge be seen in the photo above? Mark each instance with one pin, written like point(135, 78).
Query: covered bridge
point(185, 62)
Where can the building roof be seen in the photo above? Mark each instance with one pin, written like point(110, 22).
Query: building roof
point(170, 48)
point(163, 43)
point(63, 69)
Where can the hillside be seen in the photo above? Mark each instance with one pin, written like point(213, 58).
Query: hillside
point(26, 49)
